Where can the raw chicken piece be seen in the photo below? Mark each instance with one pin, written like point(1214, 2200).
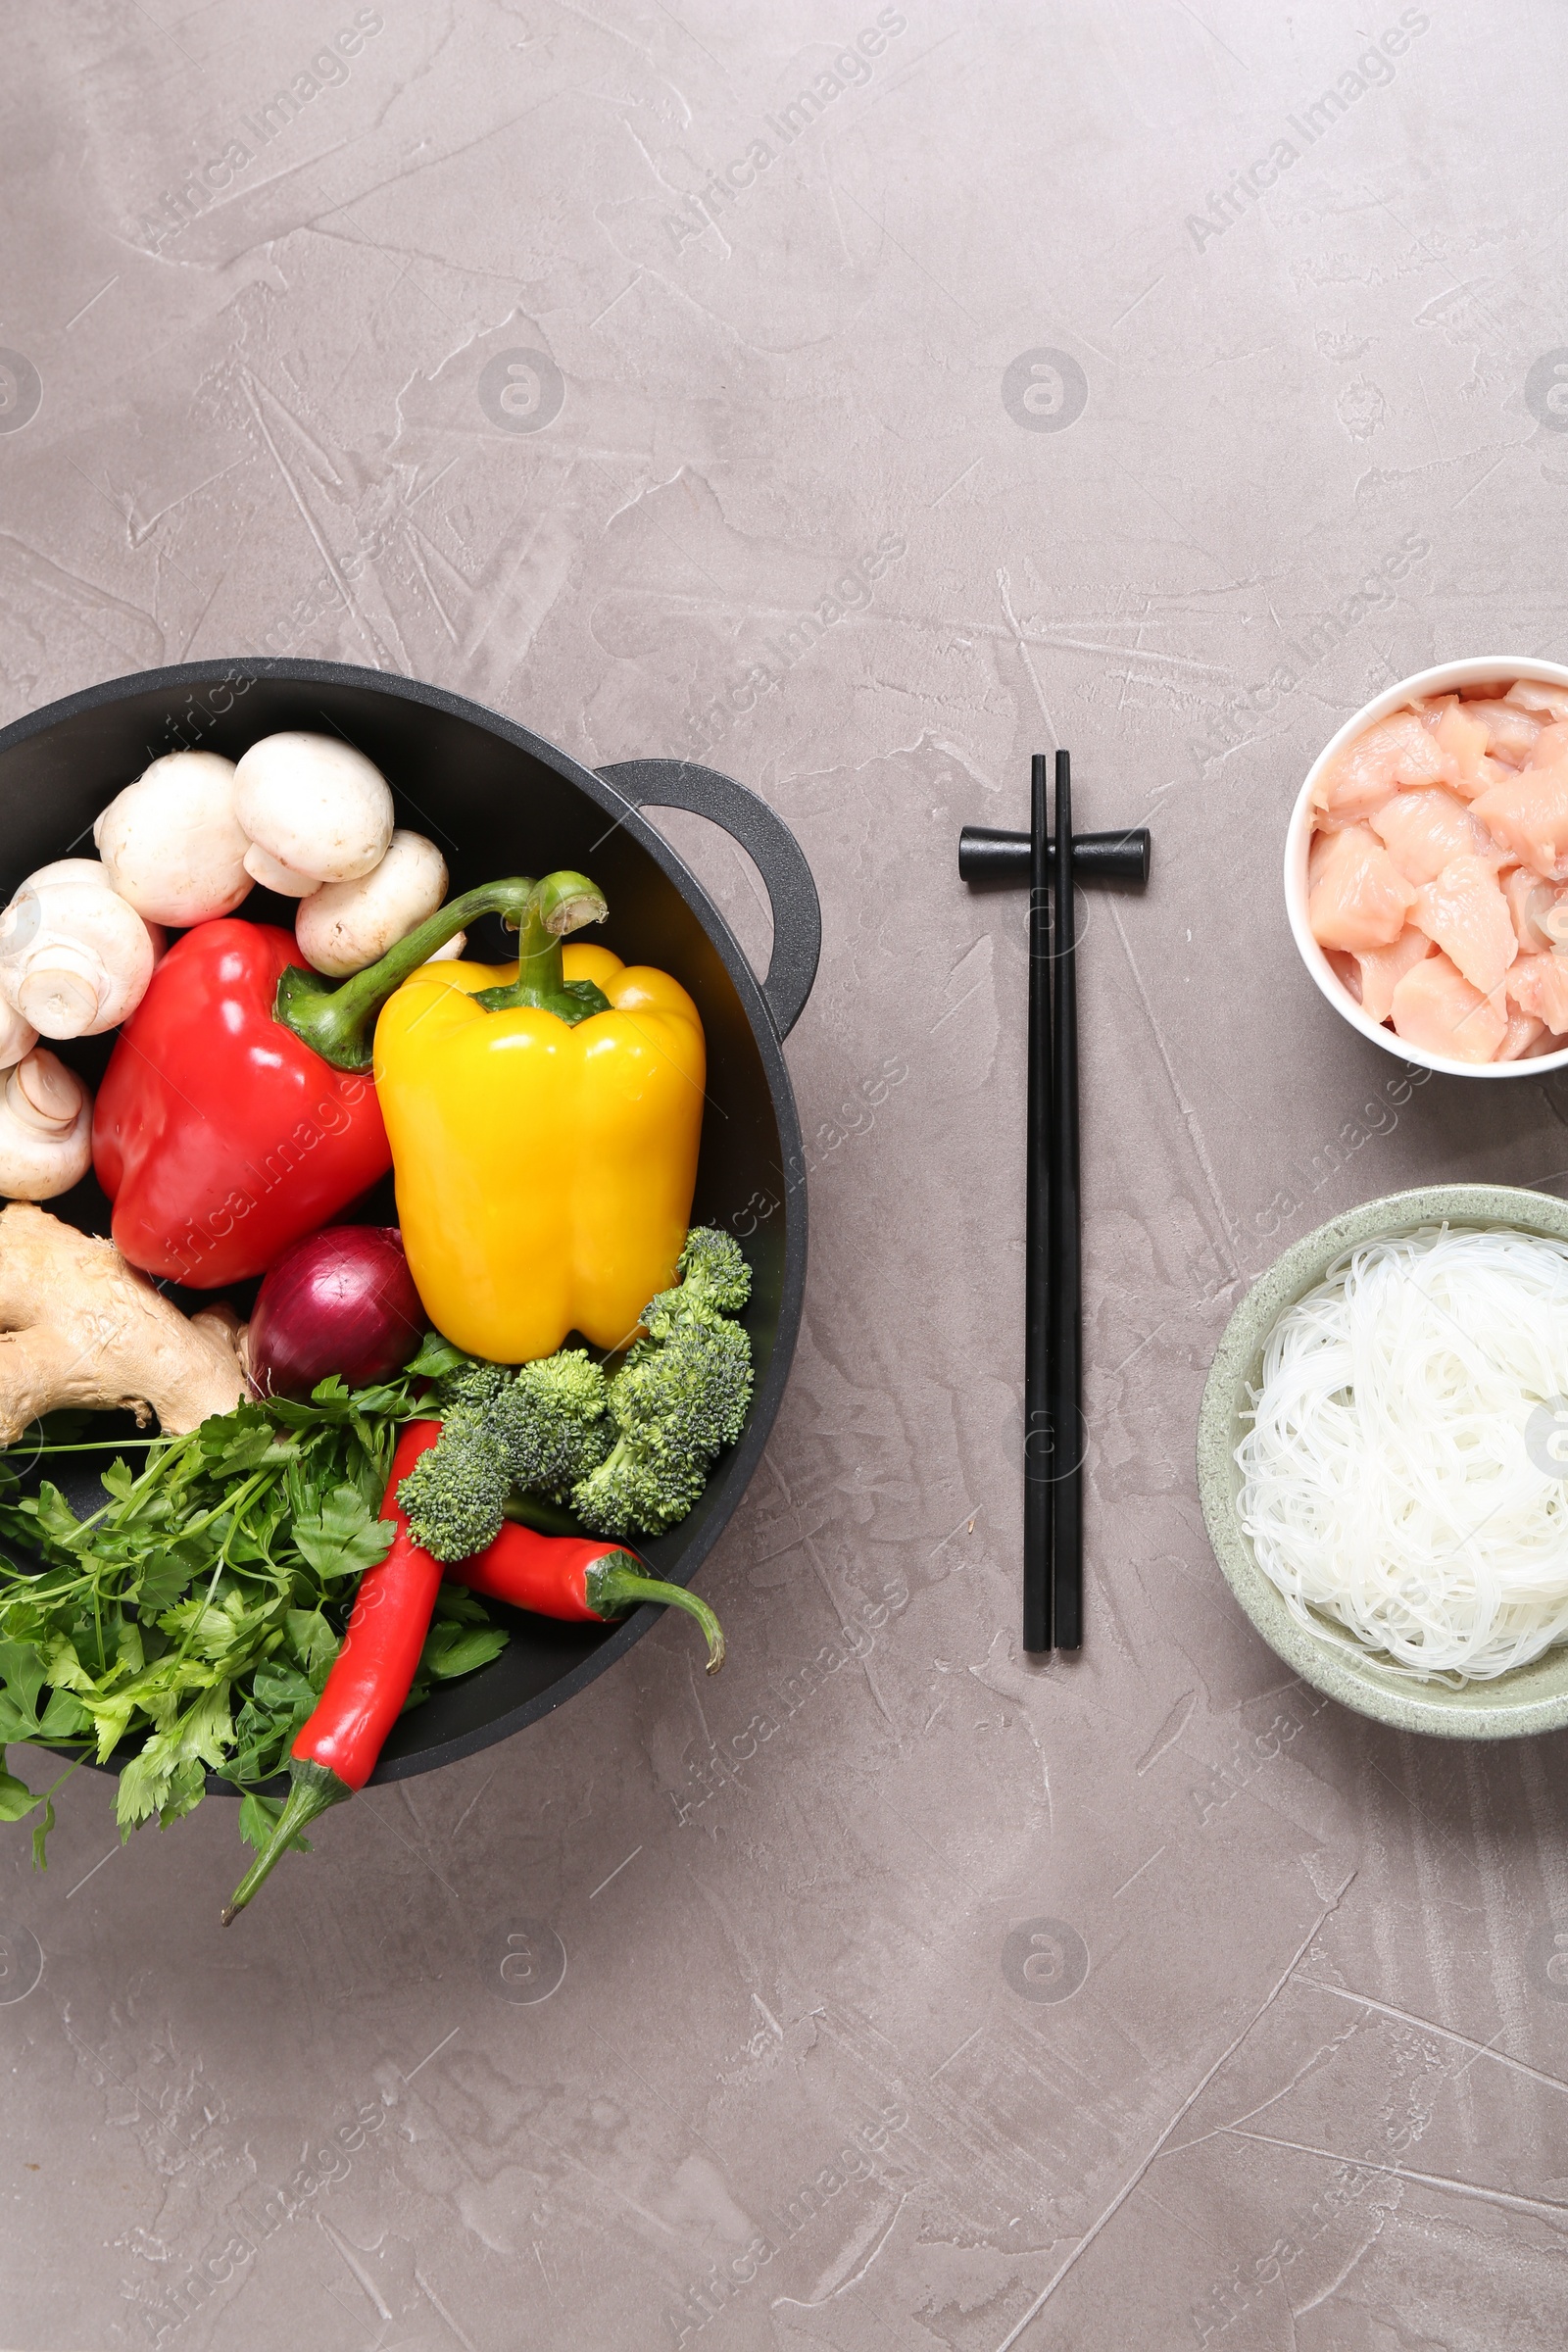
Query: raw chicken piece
point(1521, 986)
point(1538, 983)
point(1545, 1042)
point(1468, 916)
point(1361, 897)
point(1467, 740)
point(1489, 773)
point(1552, 921)
point(1540, 910)
point(1435, 1007)
point(1522, 1033)
point(1510, 732)
point(1398, 750)
point(1422, 829)
point(1551, 746)
point(1548, 702)
point(1528, 817)
point(1346, 970)
point(1321, 844)
point(1378, 970)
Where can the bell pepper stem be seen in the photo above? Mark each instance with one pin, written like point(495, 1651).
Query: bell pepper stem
point(338, 1022)
point(561, 903)
point(317, 1786)
point(617, 1583)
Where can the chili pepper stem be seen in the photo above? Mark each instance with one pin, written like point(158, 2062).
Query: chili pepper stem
point(317, 1788)
point(339, 1023)
point(616, 1585)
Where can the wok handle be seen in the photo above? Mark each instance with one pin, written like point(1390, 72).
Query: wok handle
point(774, 850)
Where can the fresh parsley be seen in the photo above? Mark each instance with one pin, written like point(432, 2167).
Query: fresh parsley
point(193, 1617)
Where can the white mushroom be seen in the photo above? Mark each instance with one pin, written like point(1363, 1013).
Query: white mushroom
point(17, 1037)
point(45, 1129)
point(345, 926)
point(171, 845)
point(273, 874)
point(315, 810)
point(452, 951)
point(91, 870)
point(71, 869)
point(74, 959)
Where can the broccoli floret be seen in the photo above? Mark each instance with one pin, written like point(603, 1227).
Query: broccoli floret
point(713, 1271)
point(693, 1387)
point(541, 1429)
point(632, 1452)
point(715, 1281)
point(638, 1491)
point(476, 1384)
point(553, 1424)
point(678, 1399)
point(452, 1497)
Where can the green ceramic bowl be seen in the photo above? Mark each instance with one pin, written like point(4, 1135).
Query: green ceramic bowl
point(1533, 1698)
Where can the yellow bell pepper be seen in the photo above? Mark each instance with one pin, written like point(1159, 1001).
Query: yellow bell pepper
point(544, 1173)
point(544, 1119)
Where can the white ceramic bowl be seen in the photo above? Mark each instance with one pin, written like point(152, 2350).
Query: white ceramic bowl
point(1445, 679)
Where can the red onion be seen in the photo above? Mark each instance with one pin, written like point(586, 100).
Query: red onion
point(340, 1300)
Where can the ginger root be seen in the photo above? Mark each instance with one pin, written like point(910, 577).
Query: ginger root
point(80, 1326)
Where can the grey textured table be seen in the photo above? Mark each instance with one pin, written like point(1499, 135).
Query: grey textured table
point(1194, 373)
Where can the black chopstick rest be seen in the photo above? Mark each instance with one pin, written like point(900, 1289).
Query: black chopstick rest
point(987, 855)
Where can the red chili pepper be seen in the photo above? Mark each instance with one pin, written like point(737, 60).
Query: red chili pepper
point(334, 1752)
point(219, 1134)
point(576, 1577)
point(569, 1577)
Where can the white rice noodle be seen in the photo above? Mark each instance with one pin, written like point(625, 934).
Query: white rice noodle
point(1386, 1479)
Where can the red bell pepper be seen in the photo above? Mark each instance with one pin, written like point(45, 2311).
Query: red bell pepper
point(238, 1110)
point(219, 1134)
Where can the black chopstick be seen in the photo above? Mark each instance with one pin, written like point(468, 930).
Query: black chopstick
point(1065, 1251)
point(1055, 1429)
point(1038, 1487)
